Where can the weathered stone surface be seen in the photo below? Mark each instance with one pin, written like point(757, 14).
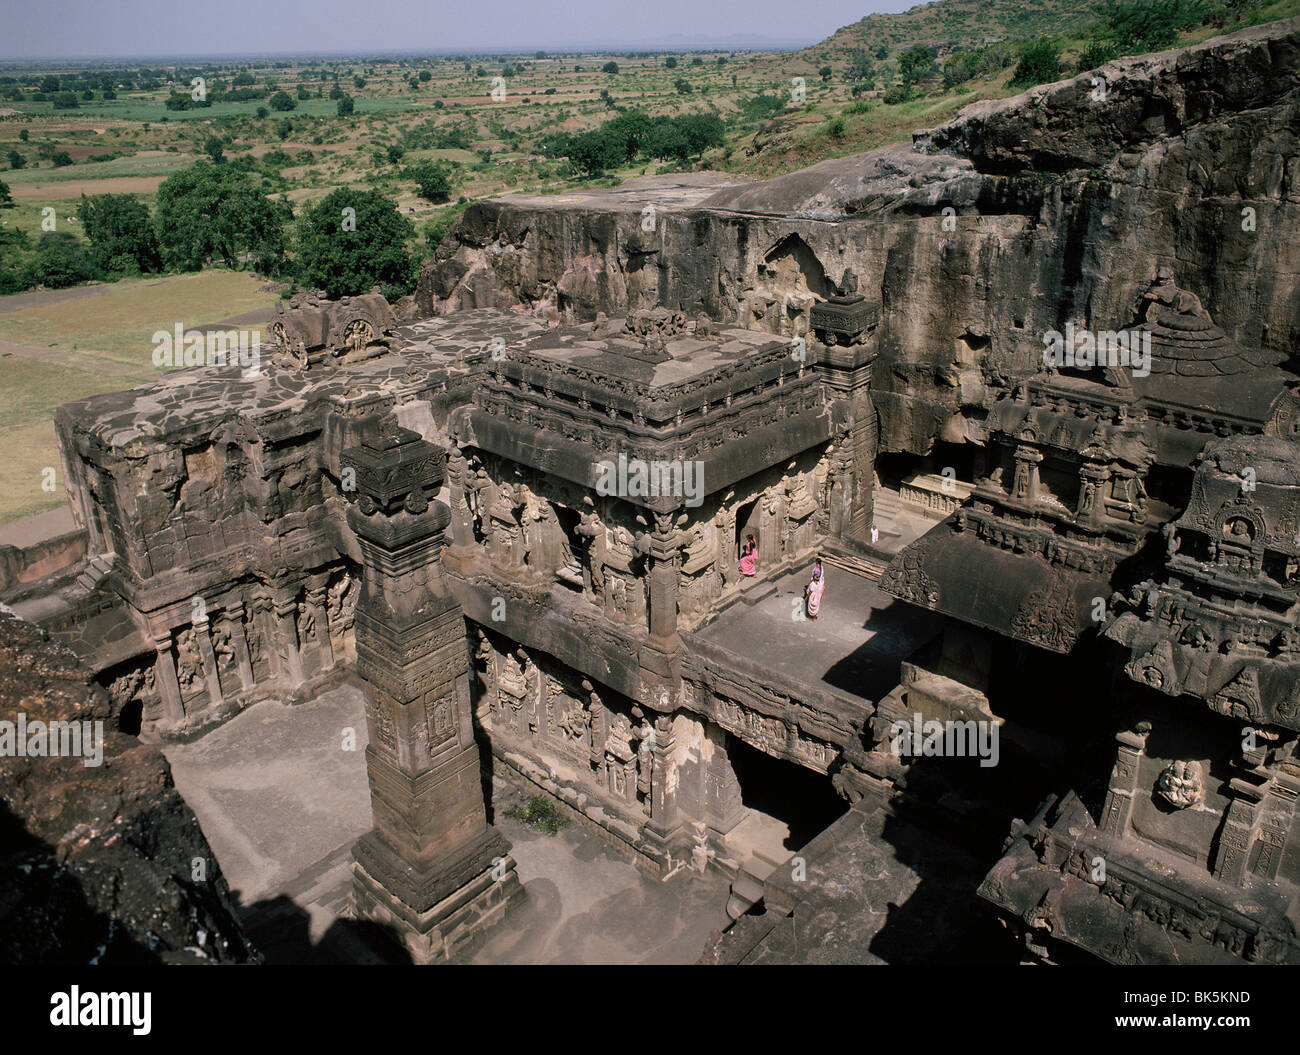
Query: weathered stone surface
point(566, 620)
point(101, 864)
point(1157, 175)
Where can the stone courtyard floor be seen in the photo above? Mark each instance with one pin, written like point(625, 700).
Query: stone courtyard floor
point(281, 803)
point(855, 645)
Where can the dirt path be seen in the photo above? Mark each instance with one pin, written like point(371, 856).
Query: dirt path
point(91, 361)
point(40, 298)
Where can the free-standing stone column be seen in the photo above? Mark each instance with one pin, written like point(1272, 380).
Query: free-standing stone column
point(847, 371)
point(432, 867)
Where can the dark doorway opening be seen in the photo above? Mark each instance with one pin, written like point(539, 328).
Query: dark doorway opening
point(744, 524)
point(129, 720)
point(802, 799)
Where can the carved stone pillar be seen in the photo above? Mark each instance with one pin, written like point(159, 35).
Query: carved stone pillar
point(431, 867)
point(723, 808)
point(461, 545)
point(169, 688)
point(239, 643)
point(664, 833)
point(320, 620)
point(1092, 493)
point(285, 626)
point(261, 613)
point(1118, 809)
point(1025, 485)
point(660, 657)
point(203, 640)
point(847, 372)
point(1240, 825)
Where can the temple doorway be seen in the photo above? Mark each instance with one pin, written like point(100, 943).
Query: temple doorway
point(788, 799)
point(746, 524)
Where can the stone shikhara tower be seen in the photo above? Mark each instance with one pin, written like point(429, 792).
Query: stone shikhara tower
point(432, 867)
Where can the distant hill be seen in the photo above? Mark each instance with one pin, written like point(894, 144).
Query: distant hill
point(956, 22)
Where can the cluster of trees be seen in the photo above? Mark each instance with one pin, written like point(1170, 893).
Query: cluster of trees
point(1126, 27)
point(1040, 62)
point(967, 63)
point(634, 133)
point(346, 244)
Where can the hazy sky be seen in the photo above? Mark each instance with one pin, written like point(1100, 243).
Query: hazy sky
point(32, 29)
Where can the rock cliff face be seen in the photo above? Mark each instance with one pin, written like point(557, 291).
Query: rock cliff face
point(1058, 205)
point(102, 863)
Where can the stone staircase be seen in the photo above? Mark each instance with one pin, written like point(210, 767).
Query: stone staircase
point(759, 842)
point(94, 572)
point(886, 506)
point(753, 590)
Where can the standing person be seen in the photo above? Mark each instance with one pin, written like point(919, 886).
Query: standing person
point(812, 593)
point(749, 556)
point(875, 534)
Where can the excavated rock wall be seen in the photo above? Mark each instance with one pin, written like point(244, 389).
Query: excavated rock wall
point(98, 864)
point(1064, 201)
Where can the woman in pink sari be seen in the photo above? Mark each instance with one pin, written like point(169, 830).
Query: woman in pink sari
point(812, 593)
point(749, 556)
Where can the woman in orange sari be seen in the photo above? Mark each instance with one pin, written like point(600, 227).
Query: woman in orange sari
point(812, 593)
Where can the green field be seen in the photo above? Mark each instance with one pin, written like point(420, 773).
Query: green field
point(97, 341)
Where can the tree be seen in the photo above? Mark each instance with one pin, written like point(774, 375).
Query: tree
point(1097, 53)
point(61, 159)
point(283, 128)
point(702, 131)
point(121, 234)
point(670, 62)
point(65, 101)
point(353, 240)
point(916, 63)
point(283, 102)
point(60, 261)
point(595, 151)
point(50, 84)
point(395, 152)
point(358, 82)
point(861, 69)
point(609, 67)
point(1040, 63)
point(425, 76)
point(211, 212)
point(825, 74)
point(6, 198)
point(24, 135)
point(431, 182)
point(345, 106)
point(1150, 25)
point(213, 147)
point(16, 160)
point(683, 86)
